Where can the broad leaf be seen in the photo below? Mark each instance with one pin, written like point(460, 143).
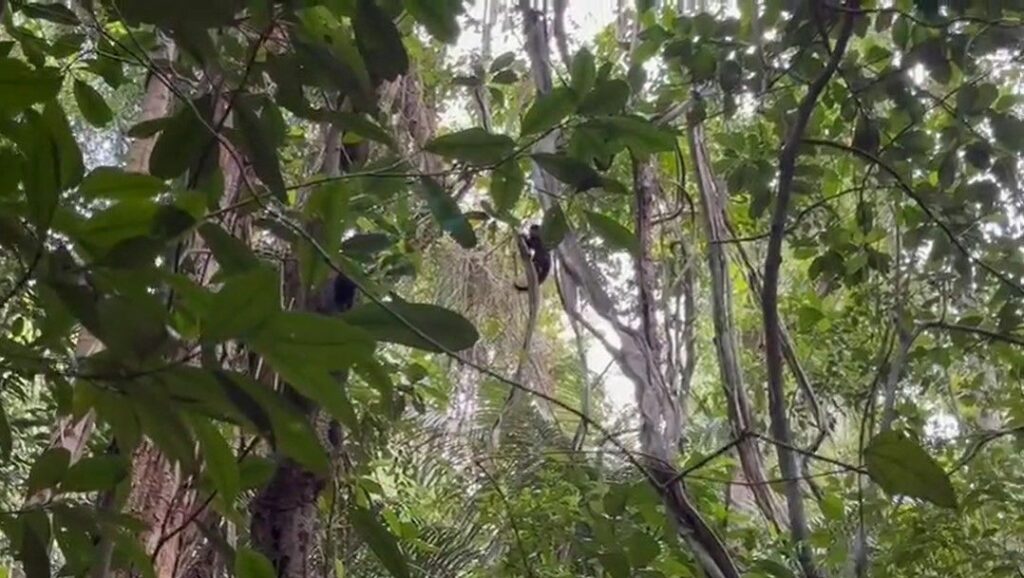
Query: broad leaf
point(243, 305)
point(252, 564)
point(232, 255)
point(309, 340)
point(447, 213)
point(614, 234)
point(902, 467)
point(34, 551)
point(21, 86)
point(379, 41)
point(507, 184)
point(380, 540)
point(117, 184)
point(570, 170)
point(361, 125)
point(91, 104)
point(95, 473)
point(220, 462)
point(584, 71)
point(475, 146)
point(641, 136)
point(438, 326)
point(6, 441)
point(48, 469)
point(554, 227)
point(439, 17)
point(548, 110)
point(183, 141)
point(262, 151)
point(608, 97)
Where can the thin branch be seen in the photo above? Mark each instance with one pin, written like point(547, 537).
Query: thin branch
point(773, 333)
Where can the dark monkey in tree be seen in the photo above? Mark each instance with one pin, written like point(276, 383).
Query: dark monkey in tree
point(540, 256)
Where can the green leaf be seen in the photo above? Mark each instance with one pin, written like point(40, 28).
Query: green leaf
point(262, 151)
point(571, 171)
point(608, 97)
point(91, 104)
point(117, 184)
point(447, 328)
point(379, 42)
point(134, 325)
point(503, 61)
point(34, 552)
point(95, 473)
point(232, 255)
point(447, 213)
point(548, 110)
point(902, 467)
point(615, 564)
point(553, 227)
point(198, 14)
point(292, 434)
point(53, 12)
point(221, 466)
point(380, 540)
point(40, 172)
point(617, 236)
point(584, 71)
point(361, 125)
point(183, 141)
point(252, 564)
point(366, 244)
point(22, 86)
point(1009, 131)
point(439, 17)
point(243, 305)
point(641, 136)
point(507, 184)
point(326, 343)
point(475, 146)
point(48, 469)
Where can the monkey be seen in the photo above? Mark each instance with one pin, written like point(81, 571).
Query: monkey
point(337, 296)
point(540, 256)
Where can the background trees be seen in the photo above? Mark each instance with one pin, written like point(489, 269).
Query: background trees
point(781, 338)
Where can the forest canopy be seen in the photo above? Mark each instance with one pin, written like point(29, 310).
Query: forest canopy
point(538, 288)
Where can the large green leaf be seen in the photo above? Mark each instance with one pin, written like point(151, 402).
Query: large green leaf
point(243, 305)
point(41, 172)
point(48, 469)
point(117, 184)
point(475, 146)
point(439, 17)
point(584, 71)
point(390, 323)
point(34, 551)
point(548, 110)
point(641, 136)
point(507, 184)
point(380, 540)
point(232, 255)
point(21, 86)
point(91, 104)
point(554, 227)
point(607, 97)
point(221, 466)
point(379, 41)
point(305, 339)
point(134, 326)
point(262, 151)
point(95, 473)
point(447, 213)
point(50, 11)
point(272, 414)
point(570, 170)
point(617, 236)
point(183, 141)
point(361, 125)
point(902, 467)
point(252, 564)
